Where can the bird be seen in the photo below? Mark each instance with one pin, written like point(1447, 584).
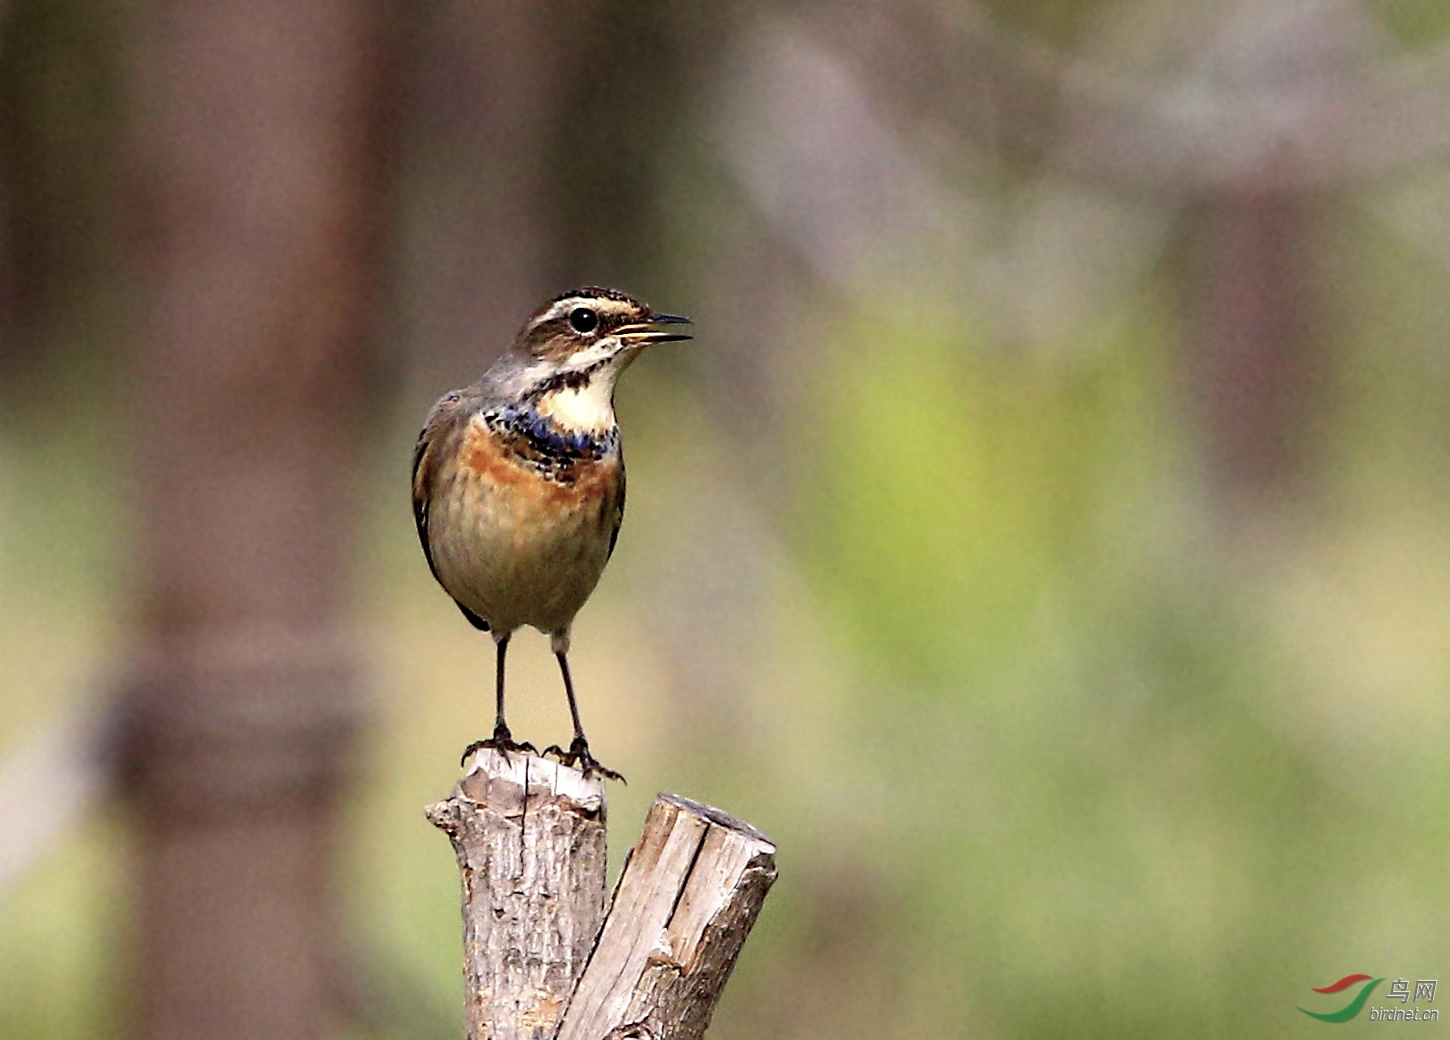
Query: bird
point(518, 483)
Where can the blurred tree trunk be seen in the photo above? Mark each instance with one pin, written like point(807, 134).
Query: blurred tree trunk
point(1256, 359)
point(261, 182)
point(484, 100)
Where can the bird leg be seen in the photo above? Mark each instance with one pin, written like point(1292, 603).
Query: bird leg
point(578, 753)
point(502, 740)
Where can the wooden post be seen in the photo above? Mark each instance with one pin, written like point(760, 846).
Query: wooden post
point(529, 835)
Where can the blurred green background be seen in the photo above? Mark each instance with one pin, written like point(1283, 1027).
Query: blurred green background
point(1044, 541)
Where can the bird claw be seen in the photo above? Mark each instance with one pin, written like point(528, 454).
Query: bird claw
point(578, 754)
point(502, 741)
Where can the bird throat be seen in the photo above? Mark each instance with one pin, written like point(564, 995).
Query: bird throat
point(584, 405)
point(569, 420)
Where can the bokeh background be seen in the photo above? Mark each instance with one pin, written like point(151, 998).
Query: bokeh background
point(1044, 540)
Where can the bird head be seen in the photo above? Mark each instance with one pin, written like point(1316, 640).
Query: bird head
point(573, 348)
point(591, 327)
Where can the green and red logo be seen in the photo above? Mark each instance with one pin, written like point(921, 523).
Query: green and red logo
point(1351, 1009)
point(1399, 992)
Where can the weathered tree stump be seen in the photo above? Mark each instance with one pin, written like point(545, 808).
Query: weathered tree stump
point(543, 957)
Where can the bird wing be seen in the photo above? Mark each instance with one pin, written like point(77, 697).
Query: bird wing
point(425, 465)
point(425, 470)
point(618, 512)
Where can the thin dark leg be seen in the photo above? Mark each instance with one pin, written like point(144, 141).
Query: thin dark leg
point(502, 740)
point(579, 750)
point(500, 727)
point(563, 660)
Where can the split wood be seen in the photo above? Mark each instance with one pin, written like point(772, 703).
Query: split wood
point(543, 957)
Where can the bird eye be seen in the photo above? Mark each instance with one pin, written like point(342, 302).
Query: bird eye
point(583, 319)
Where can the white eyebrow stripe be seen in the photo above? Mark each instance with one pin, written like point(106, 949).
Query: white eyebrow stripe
point(564, 306)
point(556, 311)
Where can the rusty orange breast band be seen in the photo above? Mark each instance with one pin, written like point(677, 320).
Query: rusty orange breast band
point(504, 460)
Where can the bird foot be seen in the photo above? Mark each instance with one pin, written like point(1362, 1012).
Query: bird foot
point(578, 755)
point(502, 741)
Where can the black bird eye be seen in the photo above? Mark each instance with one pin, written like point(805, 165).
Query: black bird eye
point(583, 319)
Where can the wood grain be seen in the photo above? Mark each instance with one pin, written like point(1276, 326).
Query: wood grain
point(529, 836)
point(686, 900)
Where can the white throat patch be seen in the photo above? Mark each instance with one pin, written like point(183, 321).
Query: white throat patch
point(587, 409)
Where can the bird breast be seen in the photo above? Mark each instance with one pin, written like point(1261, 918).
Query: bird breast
point(520, 531)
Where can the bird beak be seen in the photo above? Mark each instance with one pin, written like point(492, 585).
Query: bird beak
point(645, 332)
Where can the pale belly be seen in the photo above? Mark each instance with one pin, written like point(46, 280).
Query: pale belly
point(518, 550)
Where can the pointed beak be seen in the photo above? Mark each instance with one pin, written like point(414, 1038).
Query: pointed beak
point(646, 332)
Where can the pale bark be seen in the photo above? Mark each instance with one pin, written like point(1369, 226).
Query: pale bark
point(530, 839)
point(683, 908)
point(529, 835)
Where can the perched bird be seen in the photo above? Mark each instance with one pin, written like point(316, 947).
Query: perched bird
point(518, 481)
